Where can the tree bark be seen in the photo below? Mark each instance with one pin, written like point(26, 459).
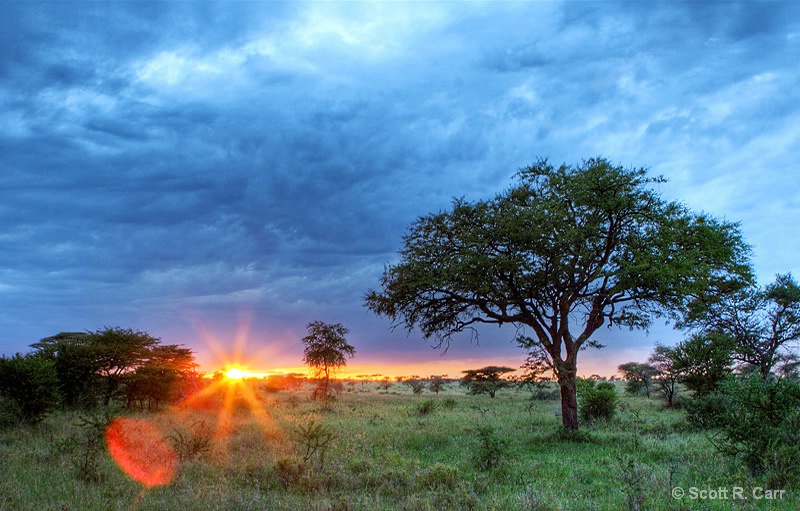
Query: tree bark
point(569, 401)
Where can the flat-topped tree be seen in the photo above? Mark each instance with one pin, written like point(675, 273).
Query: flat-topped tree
point(562, 252)
point(486, 380)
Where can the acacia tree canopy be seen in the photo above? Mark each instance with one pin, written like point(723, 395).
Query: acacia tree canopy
point(564, 251)
point(763, 322)
point(486, 380)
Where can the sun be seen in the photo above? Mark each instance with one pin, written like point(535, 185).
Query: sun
point(236, 373)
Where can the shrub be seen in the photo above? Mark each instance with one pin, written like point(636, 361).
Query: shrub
point(315, 440)
point(492, 449)
point(759, 422)
point(417, 386)
point(193, 443)
point(427, 407)
point(598, 403)
point(91, 446)
point(449, 403)
point(31, 382)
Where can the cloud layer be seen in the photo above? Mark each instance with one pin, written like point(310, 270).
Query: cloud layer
point(168, 166)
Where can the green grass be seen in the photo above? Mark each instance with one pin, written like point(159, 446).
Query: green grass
point(385, 455)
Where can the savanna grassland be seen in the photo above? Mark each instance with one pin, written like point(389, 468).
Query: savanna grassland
point(378, 450)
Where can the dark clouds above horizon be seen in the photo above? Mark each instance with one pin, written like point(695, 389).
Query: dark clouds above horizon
point(176, 167)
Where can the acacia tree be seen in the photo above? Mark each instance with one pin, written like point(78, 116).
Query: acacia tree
point(638, 376)
point(564, 251)
point(703, 361)
point(325, 351)
point(114, 361)
point(667, 373)
point(486, 380)
point(763, 322)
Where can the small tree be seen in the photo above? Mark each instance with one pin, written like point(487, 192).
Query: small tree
point(763, 322)
point(639, 377)
point(416, 383)
point(435, 384)
point(665, 362)
point(31, 382)
point(703, 361)
point(325, 352)
point(385, 384)
point(486, 380)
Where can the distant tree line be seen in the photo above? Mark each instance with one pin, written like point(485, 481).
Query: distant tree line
point(87, 369)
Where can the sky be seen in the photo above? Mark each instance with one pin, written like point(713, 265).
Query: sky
point(219, 175)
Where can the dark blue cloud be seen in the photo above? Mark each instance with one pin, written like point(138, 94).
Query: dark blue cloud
point(166, 165)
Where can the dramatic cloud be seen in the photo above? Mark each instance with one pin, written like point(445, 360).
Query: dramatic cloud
point(182, 168)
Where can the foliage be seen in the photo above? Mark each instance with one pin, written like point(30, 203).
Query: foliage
point(91, 446)
point(387, 461)
point(664, 360)
point(76, 366)
point(117, 362)
point(193, 443)
point(703, 361)
point(449, 403)
point(634, 482)
point(639, 377)
point(492, 449)
point(591, 241)
point(31, 382)
point(290, 470)
point(759, 422)
point(763, 322)
point(325, 352)
point(598, 402)
point(436, 383)
point(159, 379)
point(385, 384)
point(486, 380)
point(417, 385)
point(315, 440)
point(426, 407)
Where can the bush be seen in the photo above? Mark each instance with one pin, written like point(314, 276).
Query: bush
point(426, 407)
point(315, 440)
point(191, 444)
point(492, 449)
point(449, 403)
point(31, 382)
point(598, 402)
point(759, 422)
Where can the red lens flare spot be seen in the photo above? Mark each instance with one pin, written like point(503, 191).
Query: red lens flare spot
point(141, 451)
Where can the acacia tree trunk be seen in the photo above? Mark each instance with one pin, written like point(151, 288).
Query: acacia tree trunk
point(569, 400)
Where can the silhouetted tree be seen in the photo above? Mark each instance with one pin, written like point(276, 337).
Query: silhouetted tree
point(486, 380)
point(325, 352)
point(116, 362)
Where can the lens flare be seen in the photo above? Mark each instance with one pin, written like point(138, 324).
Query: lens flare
point(141, 451)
